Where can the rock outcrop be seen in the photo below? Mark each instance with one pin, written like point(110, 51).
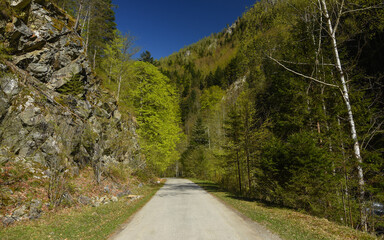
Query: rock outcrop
point(52, 110)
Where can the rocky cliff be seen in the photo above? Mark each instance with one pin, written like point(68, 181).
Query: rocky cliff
point(52, 111)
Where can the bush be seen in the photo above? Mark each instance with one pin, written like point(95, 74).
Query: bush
point(74, 86)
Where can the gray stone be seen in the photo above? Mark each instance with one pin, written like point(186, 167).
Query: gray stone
point(114, 199)
point(117, 115)
point(104, 200)
point(36, 203)
point(50, 146)
point(124, 193)
point(67, 199)
point(28, 116)
point(35, 209)
point(99, 112)
point(10, 85)
point(20, 29)
point(84, 200)
point(40, 71)
point(19, 4)
point(64, 75)
point(8, 221)
point(19, 212)
point(31, 45)
point(3, 67)
point(39, 158)
point(4, 105)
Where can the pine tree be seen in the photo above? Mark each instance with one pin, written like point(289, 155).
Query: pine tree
point(146, 57)
point(233, 128)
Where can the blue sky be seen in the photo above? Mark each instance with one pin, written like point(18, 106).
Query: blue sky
point(165, 26)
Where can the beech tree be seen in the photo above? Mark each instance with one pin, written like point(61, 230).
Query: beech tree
point(157, 108)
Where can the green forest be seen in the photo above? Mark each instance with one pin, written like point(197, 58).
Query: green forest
point(285, 106)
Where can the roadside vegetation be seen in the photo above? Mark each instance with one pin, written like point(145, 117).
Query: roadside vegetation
point(287, 223)
point(82, 223)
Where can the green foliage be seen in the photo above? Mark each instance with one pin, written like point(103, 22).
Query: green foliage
point(157, 108)
point(4, 53)
point(75, 86)
point(146, 57)
point(287, 137)
point(119, 172)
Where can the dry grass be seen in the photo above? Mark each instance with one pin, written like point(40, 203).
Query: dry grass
point(81, 223)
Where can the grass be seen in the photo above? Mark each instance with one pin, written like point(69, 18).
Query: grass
point(84, 223)
point(286, 223)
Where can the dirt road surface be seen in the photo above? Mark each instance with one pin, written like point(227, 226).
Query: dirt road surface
point(181, 210)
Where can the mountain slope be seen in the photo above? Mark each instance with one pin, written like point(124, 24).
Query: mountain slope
point(264, 115)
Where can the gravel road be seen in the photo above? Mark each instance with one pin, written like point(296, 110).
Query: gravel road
point(181, 210)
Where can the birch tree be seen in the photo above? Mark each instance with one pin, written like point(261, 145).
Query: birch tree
point(118, 54)
point(331, 13)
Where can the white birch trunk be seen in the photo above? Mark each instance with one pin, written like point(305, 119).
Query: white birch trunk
point(94, 59)
point(88, 29)
point(356, 145)
point(118, 89)
point(78, 16)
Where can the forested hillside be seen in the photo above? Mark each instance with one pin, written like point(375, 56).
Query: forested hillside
point(286, 106)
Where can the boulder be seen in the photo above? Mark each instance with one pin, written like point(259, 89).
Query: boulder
point(35, 209)
point(114, 199)
point(84, 200)
point(19, 212)
point(7, 220)
point(117, 115)
point(10, 86)
point(64, 75)
point(104, 200)
point(19, 4)
point(133, 197)
point(124, 193)
point(3, 67)
point(40, 71)
point(17, 30)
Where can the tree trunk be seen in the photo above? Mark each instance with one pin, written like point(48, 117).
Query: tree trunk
point(356, 145)
point(78, 16)
point(118, 89)
point(238, 170)
point(247, 144)
point(88, 29)
point(85, 20)
point(94, 59)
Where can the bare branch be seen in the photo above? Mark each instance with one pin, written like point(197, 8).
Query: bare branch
point(338, 17)
point(372, 134)
point(300, 74)
point(300, 63)
point(363, 9)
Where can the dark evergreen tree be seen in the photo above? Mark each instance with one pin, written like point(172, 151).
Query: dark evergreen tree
point(146, 57)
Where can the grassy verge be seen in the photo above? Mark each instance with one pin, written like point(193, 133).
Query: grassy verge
point(286, 223)
point(85, 223)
